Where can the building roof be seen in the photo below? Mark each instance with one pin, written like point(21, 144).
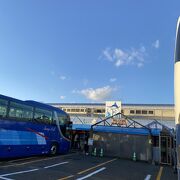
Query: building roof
point(103, 104)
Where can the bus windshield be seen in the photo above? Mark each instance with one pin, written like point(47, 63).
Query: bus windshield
point(64, 122)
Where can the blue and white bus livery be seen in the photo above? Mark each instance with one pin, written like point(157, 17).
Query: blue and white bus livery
point(31, 128)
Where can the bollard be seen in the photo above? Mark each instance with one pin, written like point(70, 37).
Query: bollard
point(134, 156)
point(101, 152)
point(94, 153)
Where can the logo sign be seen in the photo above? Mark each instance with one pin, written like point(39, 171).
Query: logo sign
point(119, 122)
point(112, 108)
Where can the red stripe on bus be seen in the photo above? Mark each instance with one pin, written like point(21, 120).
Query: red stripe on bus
point(37, 133)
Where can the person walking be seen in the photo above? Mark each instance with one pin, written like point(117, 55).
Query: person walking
point(86, 146)
point(76, 141)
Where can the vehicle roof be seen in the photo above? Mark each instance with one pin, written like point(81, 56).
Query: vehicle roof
point(34, 104)
point(43, 105)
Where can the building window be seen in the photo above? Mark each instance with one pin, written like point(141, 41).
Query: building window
point(98, 111)
point(122, 111)
point(144, 112)
point(151, 112)
point(131, 111)
point(68, 110)
point(88, 110)
point(82, 110)
point(138, 111)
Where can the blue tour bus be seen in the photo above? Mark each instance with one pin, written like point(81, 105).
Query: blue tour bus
point(31, 128)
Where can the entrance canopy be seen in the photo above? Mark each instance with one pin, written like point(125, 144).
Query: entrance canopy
point(116, 129)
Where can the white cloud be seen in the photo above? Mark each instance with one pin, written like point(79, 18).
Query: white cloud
point(99, 94)
point(156, 44)
point(63, 78)
point(62, 97)
point(121, 57)
point(119, 62)
point(107, 55)
point(113, 80)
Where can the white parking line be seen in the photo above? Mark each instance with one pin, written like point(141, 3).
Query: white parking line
point(89, 175)
point(4, 178)
point(19, 172)
point(148, 177)
point(38, 160)
point(56, 165)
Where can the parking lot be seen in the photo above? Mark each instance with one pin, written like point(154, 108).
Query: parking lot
point(78, 166)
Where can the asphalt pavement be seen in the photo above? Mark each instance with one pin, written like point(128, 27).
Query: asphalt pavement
point(79, 166)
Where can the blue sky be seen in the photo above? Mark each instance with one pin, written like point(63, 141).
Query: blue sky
point(88, 51)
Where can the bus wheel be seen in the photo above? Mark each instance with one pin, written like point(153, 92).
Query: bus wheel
point(53, 150)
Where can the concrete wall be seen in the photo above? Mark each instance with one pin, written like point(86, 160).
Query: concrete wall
point(123, 145)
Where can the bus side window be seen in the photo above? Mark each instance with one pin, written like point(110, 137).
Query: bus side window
point(20, 111)
point(43, 116)
point(3, 107)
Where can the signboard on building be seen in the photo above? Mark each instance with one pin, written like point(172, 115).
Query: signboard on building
point(119, 122)
point(112, 108)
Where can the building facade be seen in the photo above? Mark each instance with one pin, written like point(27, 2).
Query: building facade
point(136, 111)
